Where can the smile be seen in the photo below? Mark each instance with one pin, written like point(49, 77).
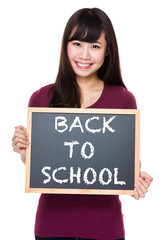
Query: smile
point(83, 65)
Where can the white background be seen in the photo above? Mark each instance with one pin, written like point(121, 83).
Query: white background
point(31, 33)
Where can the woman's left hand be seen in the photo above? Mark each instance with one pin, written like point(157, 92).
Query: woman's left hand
point(142, 185)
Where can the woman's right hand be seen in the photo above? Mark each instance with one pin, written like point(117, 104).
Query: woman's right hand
point(20, 141)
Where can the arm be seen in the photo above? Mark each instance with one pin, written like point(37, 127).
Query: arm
point(20, 142)
point(20, 139)
point(144, 180)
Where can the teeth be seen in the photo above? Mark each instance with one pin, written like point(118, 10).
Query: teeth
point(83, 65)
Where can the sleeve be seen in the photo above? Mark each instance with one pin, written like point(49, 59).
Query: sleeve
point(129, 101)
point(34, 99)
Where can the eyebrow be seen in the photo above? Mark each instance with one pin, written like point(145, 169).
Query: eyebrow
point(98, 42)
point(89, 42)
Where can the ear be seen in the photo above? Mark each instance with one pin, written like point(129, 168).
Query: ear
point(106, 52)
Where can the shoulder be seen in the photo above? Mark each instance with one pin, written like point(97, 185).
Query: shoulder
point(127, 99)
point(41, 97)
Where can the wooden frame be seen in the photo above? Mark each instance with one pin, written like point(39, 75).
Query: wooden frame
point(87, 111)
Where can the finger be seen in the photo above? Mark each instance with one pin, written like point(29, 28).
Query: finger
point(139, 191)
point(20, 140)
point(150, 181)
point(144, 182)
point(136, 195)
point(21, 151)
point(141, 186)
point(146, 177)
point(19, 134)
point(19, 147)
point(21, 129)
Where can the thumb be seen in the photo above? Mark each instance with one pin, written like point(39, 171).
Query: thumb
point(146, 177)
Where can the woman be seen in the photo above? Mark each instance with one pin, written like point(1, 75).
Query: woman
point(89, 77)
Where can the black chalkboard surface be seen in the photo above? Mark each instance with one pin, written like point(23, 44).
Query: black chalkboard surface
point(82, 151)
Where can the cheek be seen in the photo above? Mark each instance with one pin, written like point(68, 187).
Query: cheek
point(69, 51)
point(72, 53)
point(100, 58)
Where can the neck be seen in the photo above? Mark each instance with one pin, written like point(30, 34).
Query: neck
point(88, 84)
point(91, 89)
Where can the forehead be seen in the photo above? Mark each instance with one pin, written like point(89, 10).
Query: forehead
point(86, 36)
point(86, 33)
point(101, 38)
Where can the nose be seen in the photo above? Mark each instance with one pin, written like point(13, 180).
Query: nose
point(85, 53)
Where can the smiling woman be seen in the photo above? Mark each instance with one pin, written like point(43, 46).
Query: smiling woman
point(89, 76)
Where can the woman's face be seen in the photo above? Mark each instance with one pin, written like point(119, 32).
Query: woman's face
point(86, 58)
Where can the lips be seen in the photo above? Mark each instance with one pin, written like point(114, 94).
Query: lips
point(83, 65)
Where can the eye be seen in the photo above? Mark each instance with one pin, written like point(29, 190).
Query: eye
point(95, 46)
point(77, 44)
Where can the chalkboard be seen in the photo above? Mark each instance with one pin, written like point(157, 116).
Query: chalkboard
point(82, 151)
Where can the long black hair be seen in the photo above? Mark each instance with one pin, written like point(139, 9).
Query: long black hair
point(89, 24)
